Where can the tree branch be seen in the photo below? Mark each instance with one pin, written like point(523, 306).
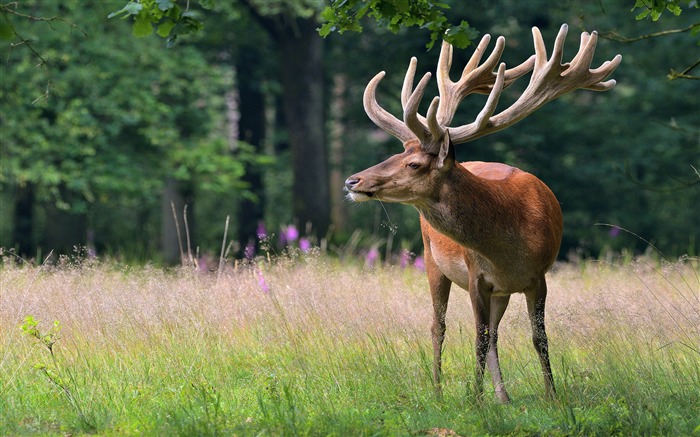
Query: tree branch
point(10, 8)
point(684, 74)
point(614, 36)
point(7, 8)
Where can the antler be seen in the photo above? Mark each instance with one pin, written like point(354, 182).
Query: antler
point(550, 79)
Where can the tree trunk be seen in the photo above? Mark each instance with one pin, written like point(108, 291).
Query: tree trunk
point(251, 129)
point(301, 51)
point(22, 232)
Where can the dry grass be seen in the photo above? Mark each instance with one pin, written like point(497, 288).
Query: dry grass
point(335, 324)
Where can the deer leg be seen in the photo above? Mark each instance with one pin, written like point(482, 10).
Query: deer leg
point(480, 296)
point(440, 293)
point(498, 308)
point(535, 309)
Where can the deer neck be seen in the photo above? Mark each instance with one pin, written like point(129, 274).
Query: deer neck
point(470, 210)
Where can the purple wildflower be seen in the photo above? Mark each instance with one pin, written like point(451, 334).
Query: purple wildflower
point(304, 244)
point(419, 263)
point(261, 280)
point(372, 256)
point(405, 258)
point(203, 264)
point(249, 251)
point(290, 233)
point(261, 231)
point(614, 232)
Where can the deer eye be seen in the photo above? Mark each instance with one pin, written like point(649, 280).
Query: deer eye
point(413, 165)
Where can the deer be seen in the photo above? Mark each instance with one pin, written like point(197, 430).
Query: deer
point(490, 228)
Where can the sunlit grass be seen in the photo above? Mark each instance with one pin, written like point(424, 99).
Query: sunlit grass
point(331, 349)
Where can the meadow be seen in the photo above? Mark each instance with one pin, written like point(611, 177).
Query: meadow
point(307, 345)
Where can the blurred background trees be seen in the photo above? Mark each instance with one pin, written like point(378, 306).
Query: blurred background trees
point(257, 117)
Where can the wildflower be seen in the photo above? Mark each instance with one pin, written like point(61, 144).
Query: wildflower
point(261, 280)
point(372, 256)
point(290, 234)
point(614, 232)
point(419, 263)
point(249, 251)
point(304, 244)
point(203, 264)
point(405, 258)
point(261, 231)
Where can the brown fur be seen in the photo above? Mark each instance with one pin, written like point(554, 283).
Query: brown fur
point(492, 229)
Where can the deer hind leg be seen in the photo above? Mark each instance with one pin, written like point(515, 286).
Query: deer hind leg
point(498, 308)
point(535, 309)
point(480, 294)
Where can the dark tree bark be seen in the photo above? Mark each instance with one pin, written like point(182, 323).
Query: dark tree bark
point(251, 129)
point(301, 51)
point(302, 78)
point(23, 231)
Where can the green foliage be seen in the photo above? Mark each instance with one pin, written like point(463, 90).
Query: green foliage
point(655, 8)
point(46, 338)
point(56, 372)
point(166, 16)
point(345, 15)
point(124, 115)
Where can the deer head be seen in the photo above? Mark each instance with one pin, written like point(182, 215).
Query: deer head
point(429, 141)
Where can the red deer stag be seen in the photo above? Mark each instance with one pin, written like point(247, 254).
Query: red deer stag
point(490, 228)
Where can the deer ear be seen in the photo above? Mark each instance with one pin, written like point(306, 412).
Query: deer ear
point(446, 156)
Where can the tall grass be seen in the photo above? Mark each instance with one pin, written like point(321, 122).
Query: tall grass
point(307, 346)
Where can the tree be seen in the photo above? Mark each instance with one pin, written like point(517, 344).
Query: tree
point(292, 25)
point(122, 116)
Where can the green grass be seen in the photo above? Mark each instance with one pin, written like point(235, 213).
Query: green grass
point(338, 350)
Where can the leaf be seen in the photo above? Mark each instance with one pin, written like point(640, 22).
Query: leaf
point(6, 31)
point(207, 4)
point(643, 14)
point(461, 36)
point(165, 5)
point(165, 28)
point(142, 27)
point(326, 29)
point(131, 8)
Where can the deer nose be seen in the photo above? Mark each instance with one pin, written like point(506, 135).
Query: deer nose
point(351, 182)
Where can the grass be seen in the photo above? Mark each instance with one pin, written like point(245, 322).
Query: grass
point(330, 349)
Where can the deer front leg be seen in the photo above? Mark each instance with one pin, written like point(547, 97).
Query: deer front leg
point(535, 309)
point(440, 294)
point(498, 308)
point(480, 294)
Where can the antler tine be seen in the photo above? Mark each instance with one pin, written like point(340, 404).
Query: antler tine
point(475, 58)
point(382, 118)
point(435, 128)
point(483, 118)
point(550, 79)
point(586, 49)
point(475, 78)
point(410, 111)
point(407, 87)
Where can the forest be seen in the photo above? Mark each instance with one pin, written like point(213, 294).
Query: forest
point(118, 141)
